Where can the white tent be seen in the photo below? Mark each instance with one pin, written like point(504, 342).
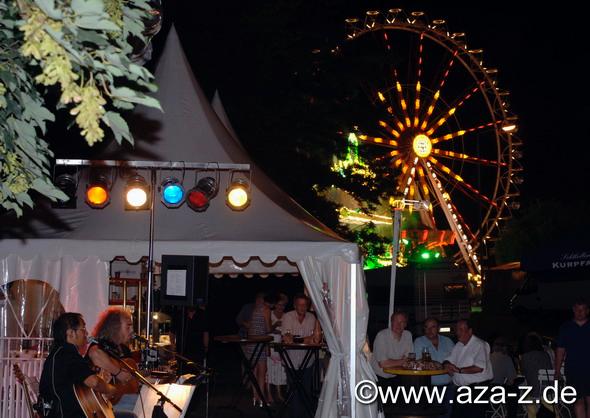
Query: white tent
point(274, 234)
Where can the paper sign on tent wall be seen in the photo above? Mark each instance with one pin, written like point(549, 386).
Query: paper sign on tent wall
point(176, 283)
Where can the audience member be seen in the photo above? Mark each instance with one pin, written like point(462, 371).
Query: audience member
point(468, 365)
point(303, 324)
point(438, 346)
point(573, 345)
point(276, 376)
point(243, 319)
point(259, 325)
point(391, 347)
point(534, 358)
point(502, 363)
point(196, 334)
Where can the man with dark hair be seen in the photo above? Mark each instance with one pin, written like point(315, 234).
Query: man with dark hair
point(196, 334)
point(469, 362)
point(573, 344)
point(438, 346)
point(65, 367)
point(468, 365)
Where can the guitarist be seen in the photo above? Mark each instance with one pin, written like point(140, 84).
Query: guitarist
point(114, 330)
point(65, 367)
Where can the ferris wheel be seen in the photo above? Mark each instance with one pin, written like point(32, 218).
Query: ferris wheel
point(441, 122)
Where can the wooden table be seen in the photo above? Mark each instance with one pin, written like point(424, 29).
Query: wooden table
point(259, 343)
point(295, 375)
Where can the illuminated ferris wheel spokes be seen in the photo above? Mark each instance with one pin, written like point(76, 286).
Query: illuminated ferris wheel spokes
point(436, 94)
point(447, 128)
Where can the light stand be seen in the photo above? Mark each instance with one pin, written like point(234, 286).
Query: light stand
point(399, 206)
point(153, 167)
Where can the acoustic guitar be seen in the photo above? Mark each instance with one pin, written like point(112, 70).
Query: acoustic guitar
point(94, 404)
point(23, 381)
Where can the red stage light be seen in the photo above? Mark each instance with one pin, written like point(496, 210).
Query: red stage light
point(199, 197)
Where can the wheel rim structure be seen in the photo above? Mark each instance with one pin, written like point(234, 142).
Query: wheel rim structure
point(445, 124)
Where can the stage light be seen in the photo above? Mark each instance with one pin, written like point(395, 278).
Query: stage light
point(137, 194)
point(97, 193)
point(199, 197)
point(67, 184)
point(238, 195)
point(172, 193)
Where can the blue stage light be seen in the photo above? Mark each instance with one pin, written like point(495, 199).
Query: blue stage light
point(172, 193)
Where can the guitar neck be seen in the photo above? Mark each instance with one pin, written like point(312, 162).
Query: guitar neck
point(23, 381)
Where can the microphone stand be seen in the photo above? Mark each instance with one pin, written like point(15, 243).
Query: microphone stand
point(202, 369)
point(139, 376)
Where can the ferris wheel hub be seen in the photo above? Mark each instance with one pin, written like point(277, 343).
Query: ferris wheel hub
point(422, 146)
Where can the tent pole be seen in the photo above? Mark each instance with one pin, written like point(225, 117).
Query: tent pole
point(352, 374)
point(397, 217)
point(148, 311)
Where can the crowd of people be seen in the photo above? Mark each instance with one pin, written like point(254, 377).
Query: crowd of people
point(107, 367)
point(470, 362)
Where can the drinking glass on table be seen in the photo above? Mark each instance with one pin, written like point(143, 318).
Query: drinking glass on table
point(288, 337)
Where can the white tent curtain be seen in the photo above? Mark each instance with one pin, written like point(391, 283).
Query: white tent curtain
point(329, 282)
point(82, 285)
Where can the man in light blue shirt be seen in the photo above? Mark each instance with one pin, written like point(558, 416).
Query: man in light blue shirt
point(438, 346)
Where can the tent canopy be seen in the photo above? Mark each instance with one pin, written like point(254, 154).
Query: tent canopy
point(72, 250)
point(273, 232)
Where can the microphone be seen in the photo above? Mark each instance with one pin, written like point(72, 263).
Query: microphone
point(103, 345)
point(92, 340)
point(139, 338)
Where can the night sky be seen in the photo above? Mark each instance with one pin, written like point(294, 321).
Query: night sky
point(256, 52)
point(540, 54)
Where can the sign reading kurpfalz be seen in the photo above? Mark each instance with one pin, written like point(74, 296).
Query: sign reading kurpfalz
point(572, 260)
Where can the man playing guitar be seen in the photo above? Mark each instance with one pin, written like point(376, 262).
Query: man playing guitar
point(65, 367)
point(114, 330)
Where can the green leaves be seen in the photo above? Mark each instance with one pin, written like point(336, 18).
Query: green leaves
point(81, 47)
point(118, 126)
point(127, 95)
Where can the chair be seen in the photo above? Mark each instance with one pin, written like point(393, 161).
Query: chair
point(497, 410)
point(546, 379)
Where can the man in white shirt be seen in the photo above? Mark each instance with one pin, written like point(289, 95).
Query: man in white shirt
point(300, 323)
point(469, 364)
point(391, 346)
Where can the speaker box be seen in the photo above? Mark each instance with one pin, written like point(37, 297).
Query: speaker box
point(184, 280)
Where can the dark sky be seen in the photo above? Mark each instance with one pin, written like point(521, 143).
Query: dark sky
point(541, 55)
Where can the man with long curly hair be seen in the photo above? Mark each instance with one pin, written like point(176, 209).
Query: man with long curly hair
point(114, 330)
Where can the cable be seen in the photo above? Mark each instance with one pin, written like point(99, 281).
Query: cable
point(141, 400)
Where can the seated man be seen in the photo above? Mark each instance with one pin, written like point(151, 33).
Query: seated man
point(65, 367)
point(114, 330)
point(469, 365)
point(304, 324)
point(391, 347)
